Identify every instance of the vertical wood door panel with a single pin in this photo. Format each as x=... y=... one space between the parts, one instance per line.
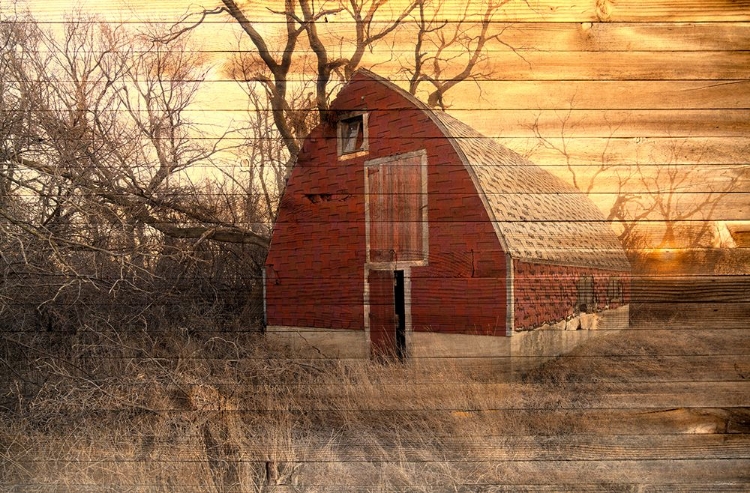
x=395 y=204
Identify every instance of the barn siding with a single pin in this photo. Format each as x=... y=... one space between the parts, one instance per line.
x=462 y=289
x=545 y=293
x=316 y=261
x=315 y=266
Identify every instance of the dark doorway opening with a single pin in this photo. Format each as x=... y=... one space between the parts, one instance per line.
x=387 y=299
x=400 y=305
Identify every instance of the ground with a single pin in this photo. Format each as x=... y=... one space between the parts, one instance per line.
x=664 y=406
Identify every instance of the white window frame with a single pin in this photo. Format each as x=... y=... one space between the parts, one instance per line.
x=342 y=138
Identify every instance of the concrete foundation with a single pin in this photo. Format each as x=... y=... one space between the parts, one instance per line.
x=311 y=342
x=503 y=356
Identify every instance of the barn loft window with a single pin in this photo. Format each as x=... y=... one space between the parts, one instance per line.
x=352 y=135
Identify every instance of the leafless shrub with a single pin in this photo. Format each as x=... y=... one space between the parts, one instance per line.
x=103 y=214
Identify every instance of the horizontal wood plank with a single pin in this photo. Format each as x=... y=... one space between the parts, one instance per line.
x=617 y=66
x=146 y=487
x=555 y=95
x=492 y=396
x=613 y=95
x=614 y=151
x=628 y=36
x=573 y=123
x=515 y=11
x=343 y=476
x=500 y=423
x=555 y=36
x=218 y=37
x=454 y=449
x=570 y=122
x=573 y=472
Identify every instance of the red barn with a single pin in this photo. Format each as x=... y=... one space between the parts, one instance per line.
x=403 y=230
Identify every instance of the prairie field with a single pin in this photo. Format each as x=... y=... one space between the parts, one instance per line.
x=664 y=406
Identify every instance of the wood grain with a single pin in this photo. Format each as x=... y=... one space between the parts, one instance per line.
x=662 y=407
x=605 y=123
x=617 y=66
x=633 y=123
x=547 y=11
x=529 y=37
x=558 y=95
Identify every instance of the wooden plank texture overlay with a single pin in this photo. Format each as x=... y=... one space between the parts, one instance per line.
x=145 y=151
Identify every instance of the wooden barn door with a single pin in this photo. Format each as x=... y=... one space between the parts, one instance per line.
x=395 y=204
x=387 y=314
x=397 y=241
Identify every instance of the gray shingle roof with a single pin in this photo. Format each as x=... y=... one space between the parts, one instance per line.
x=537 y=216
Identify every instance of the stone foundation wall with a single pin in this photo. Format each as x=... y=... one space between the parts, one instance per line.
x=521 y=352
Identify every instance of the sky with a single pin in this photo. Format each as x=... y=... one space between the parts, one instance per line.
x=632 y=91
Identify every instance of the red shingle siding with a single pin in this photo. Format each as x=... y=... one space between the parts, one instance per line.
x=546 y=293
x=315 y=266
x=463 y=288
x=316 y=262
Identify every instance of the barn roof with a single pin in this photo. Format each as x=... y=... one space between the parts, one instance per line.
x=537 y=216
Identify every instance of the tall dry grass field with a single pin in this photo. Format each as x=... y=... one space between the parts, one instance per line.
x=651 y=409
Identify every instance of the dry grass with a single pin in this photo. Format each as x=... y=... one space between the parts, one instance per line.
x=175 y=411
x=149 y=412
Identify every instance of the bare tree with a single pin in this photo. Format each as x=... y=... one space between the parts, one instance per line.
x=266 y=158
x=678 y=193
x=308 y=48
x=657 y=188
x=109 y=120
x=447 y=53
x=101 y=170
x=293 y=73
x=102 y=176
